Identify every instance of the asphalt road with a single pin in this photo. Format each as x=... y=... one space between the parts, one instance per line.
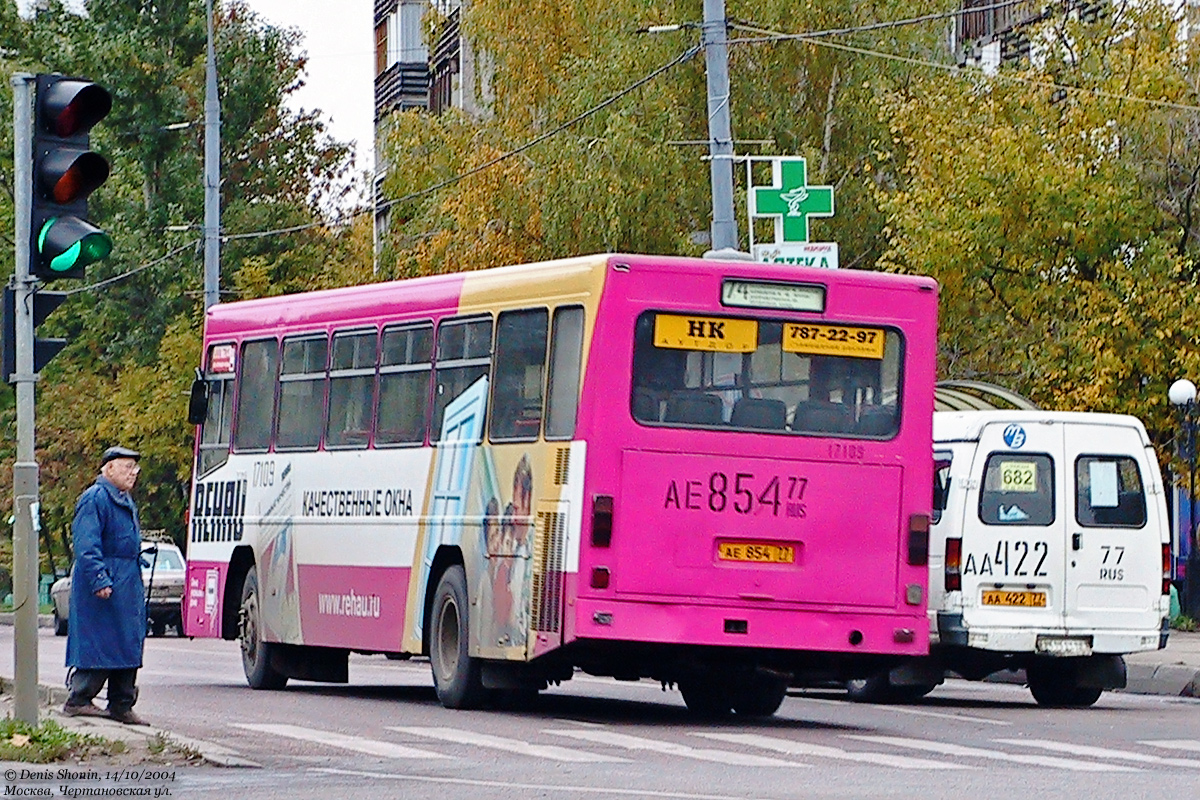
x=385 y=736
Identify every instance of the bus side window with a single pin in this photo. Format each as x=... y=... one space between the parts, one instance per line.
x=256 y=395
x=405 y=367
x=566 y=354
x=302 y=393
x=351 y=389
x=464 y=355
x=215 y=432
x=518 y=376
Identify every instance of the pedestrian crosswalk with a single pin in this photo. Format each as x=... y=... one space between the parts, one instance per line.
x=569 y=742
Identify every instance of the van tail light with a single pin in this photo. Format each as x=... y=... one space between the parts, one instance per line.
x=918 y=539
x=1166 y=567
x=602 y=516
x=953 y=571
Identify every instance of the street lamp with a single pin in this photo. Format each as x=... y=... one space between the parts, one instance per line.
x=1182 y=395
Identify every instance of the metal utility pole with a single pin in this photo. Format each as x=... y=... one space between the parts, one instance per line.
x=212 y=173
x=720 y=136
x=25 y=469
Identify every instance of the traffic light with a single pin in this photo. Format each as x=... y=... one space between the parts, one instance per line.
x=65 y=171
x=43 y=349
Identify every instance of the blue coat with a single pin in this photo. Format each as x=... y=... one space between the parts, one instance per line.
x=106 y=634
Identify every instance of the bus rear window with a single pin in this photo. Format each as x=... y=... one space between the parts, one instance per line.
x=697 y=371
x=1018 y=489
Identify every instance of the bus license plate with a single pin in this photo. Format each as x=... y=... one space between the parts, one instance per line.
x=995 y=597
x=756 y=552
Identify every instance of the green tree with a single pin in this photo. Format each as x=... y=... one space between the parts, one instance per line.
x=621 y=179
x=134 y=342
x=1053 y=207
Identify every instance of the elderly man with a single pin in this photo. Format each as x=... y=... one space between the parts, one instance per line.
x=107 y=624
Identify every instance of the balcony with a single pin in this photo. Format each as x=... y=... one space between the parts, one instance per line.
x=401 y=87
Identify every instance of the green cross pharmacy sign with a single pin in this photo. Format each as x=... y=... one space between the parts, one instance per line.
x=792 y=203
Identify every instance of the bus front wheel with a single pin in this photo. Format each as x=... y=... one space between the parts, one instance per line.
x=457 y=677
x=256 y=653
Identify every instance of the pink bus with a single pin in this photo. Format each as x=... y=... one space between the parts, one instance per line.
x=712 y=474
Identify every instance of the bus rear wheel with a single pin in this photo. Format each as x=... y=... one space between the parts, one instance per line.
x=457 y=677
x=706 y=694
x=256 y=653
x=760 y=695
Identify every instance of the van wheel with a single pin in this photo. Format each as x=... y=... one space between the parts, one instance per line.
x=256 y=653
x=875 y=689
x=60 y=624
x=706 y=694
x=910 y=694
x=878 y=689
x=457 y=676
x=1054 y=685
x=759 y=696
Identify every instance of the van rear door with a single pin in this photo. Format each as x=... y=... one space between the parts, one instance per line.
x=1013 y=540
x=1114 y=556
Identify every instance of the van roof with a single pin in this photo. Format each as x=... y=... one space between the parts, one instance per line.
x=966 y=426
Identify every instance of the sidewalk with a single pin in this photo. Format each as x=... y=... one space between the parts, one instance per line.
x=143 y=742
x=1174 y=671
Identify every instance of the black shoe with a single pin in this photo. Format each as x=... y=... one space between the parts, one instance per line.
x=127 y=717
x=88 y=710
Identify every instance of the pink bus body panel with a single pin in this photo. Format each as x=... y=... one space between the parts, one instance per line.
x=850 y=529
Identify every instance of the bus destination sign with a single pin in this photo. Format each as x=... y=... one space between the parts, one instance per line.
x=719 y=334
x=786 y=296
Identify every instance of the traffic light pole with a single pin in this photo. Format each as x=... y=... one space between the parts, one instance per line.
x=25 y=469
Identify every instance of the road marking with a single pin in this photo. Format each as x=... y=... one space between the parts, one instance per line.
x=358 y=744
x=674 y=749
x=1174 y=744
x=821 y=751
x=552 y=790
x=1101 y=752
x=959 y=751
x=913 y=711
x=509 y=745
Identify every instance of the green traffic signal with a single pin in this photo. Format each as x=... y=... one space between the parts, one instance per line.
x=69 y=243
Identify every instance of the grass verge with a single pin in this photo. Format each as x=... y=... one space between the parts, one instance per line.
x=49 y=741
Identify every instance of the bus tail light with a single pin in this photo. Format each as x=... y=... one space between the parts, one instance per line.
x=918 y=539
x=600 y=577
x=1166 y=568
x=602 y=514
x=953 y=571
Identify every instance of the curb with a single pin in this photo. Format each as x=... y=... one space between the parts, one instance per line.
x=44 y=620
x=1168 y=680
x=48 y=695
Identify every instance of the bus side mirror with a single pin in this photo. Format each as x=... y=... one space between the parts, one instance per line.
x=198 y=401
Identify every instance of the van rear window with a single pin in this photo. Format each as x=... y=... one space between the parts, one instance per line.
x=1108 y=492
x=1018 y=489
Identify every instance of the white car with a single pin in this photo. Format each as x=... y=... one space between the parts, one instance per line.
x=166 y=595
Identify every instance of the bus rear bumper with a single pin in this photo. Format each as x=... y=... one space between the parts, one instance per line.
x=883 y=632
